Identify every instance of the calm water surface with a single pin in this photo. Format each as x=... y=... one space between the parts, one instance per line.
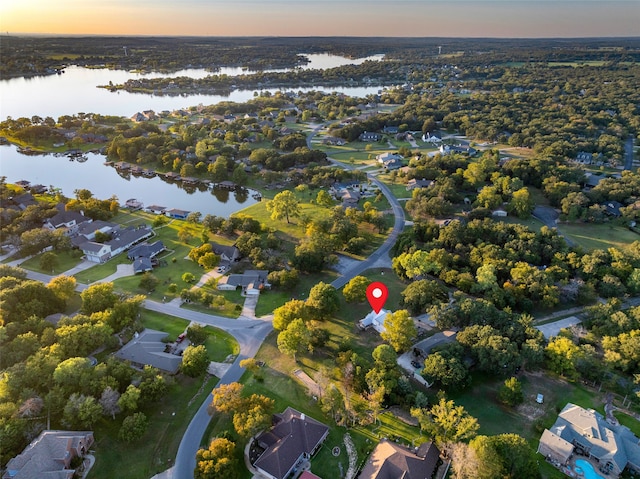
x=104 y=181
x=75 y=91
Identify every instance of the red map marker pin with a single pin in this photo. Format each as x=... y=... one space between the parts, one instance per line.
x=377 y=295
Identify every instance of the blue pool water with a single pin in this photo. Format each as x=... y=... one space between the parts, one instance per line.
x=587 y=469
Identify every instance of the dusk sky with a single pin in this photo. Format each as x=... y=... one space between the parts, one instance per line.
x=413 y=18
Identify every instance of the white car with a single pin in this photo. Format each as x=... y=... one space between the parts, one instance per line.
x=222 y=269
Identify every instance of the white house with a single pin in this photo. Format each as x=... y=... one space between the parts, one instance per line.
x=375 y=320
x=431 y=139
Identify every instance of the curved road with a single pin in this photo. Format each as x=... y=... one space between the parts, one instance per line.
x=398 y=225
x=250 y=333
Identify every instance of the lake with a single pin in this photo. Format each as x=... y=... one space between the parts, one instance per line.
x=75 y=91
x=104 y=181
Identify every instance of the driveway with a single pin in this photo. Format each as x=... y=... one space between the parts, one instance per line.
x=552 y=329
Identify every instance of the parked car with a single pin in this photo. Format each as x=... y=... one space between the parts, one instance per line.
x=222 y=269
x=181 y=338
x=416 y=364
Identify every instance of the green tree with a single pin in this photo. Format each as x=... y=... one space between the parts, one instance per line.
x=323 y=300
x=48 y=261
x=522 y=203
x=98 y=297
x=148 y=281
x=507 y=456
x=418 y=295
x=323 y=198
x=294 y=339
x=255 y=415
x=188 y=277
x=239 y=176
x=446 y=423
x=399 y=330
x=511 y=392
x=64 y=287
x=81 y=411
x=197 y=334
x=195 y=361
x=218 y=461
x=133 y=427
x=285 y=314
x=209 y=260
x=355 y=291
x=227 y=398
x=129 y=399
x=562 y=354
x=284 y=205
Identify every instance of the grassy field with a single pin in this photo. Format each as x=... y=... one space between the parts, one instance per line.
x=626 y=420
x=65 y=261
x=155 y=451
x=599 y=236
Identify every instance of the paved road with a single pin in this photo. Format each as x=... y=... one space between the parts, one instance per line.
x=398 y=226
x=628 y=153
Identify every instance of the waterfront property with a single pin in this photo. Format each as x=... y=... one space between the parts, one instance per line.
x=121 y=240
x=293 y=439
x=585 y=434
x=50 y=455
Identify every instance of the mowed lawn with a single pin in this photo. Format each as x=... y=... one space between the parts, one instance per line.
x=219 y=343
x=599 y=236
x=64 y=262
x=156 y=450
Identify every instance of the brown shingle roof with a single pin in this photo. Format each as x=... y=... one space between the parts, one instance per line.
x=293 y=435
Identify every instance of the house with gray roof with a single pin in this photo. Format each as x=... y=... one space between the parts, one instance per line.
x=226 y=253
x=252 y=282
x=67 y=220
x=142 y=265
x=49 y=455
x=584 y=432
x=147 y=348
x=293 y=438
x=391 y=461
x=146 y=250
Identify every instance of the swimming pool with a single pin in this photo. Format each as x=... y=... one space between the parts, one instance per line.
x=587 y=469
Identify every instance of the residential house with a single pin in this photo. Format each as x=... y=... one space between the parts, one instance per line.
x=95 y=252
x=251 y=281
x=226 y=253
x=294 y=438
x=122 y=239
x=414 y=183
x=460 y=149
x=374 y=320
x=499 y=213
x=142 y=265
x=138 y=118
x=585 y=432
x=350 y=197
x=156 y=209
x=391 y=130
x=334 y=140
x=392 y=461
x=24 y=201
x=393 y=164
x=592 y=180
x=384 y=157
x=177 y=214
x=67 y=220
x=428 y=138
x=50 y=455
x=612 y=208
x=87 y=231
x=584 y=158
x=369 y=136
x=146 y=250
x=133 y=203
x=147 y=349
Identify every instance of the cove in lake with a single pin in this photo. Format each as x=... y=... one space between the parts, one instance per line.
x=104 y=181
x=76 y=91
